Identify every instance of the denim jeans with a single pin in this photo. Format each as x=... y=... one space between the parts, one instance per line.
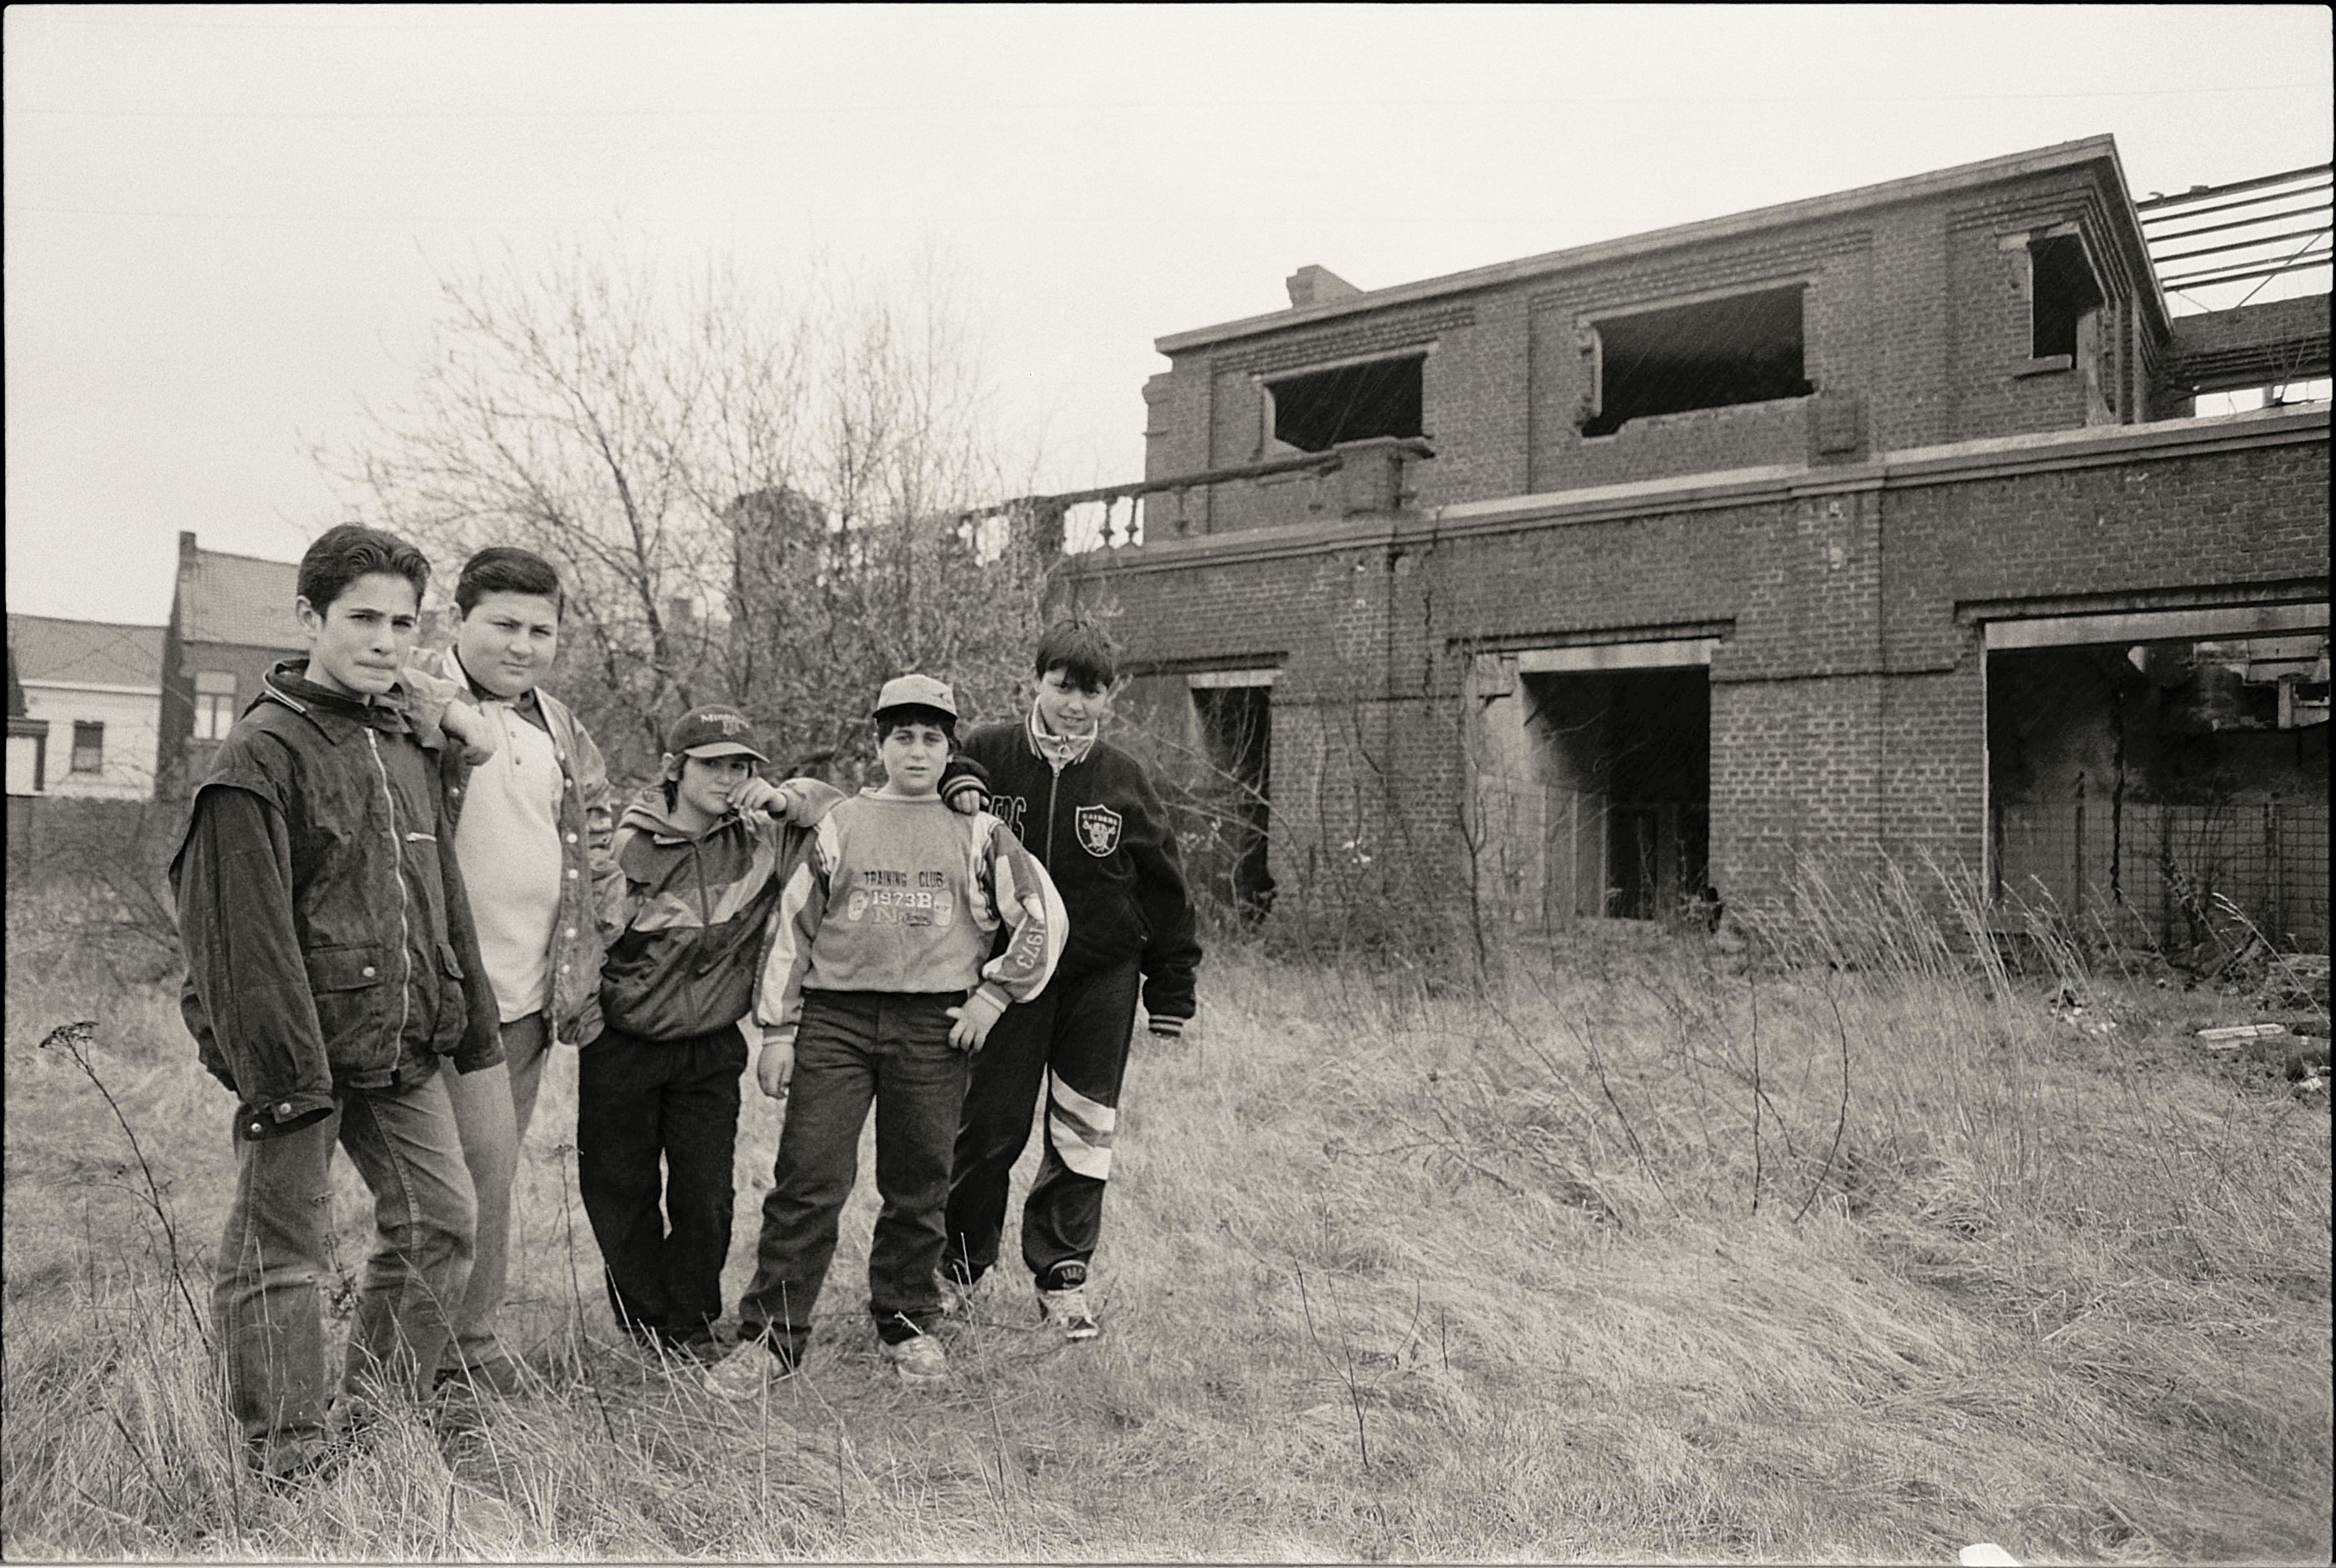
x=493 y=1108
x=854 y=1046
x=1072 y=1038
x=277 y=1250
x=643 y=1103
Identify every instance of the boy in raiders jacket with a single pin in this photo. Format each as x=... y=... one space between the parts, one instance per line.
x=1089 y=814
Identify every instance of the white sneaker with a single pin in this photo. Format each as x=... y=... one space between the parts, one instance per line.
x=746 y=1372
x=1066 y=1311
x=919 y=1359
x=956 y=1296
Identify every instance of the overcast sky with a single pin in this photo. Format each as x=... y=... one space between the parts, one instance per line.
x=222 y=222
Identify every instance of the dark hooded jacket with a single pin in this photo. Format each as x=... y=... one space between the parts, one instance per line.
x=327 y=936
x=684 y=936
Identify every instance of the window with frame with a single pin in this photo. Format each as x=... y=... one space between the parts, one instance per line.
x=214 y=704
x=89 y=747
x=1744 y=348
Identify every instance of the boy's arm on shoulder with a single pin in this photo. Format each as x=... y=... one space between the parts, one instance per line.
x=1171 y=959
x=785 y=952
x=1026 y=899
x=232 y=878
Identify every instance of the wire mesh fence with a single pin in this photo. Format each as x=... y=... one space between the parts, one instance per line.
x=2152 y=872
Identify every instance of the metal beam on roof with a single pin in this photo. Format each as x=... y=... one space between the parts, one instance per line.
x=2203 y=192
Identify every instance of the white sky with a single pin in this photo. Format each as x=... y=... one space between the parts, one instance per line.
x=222 y=222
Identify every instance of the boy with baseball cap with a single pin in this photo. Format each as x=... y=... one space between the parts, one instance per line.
x=878 y=985
x=702 y=854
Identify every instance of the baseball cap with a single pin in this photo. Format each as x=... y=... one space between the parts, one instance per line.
x=716 y=730
x=917 y=691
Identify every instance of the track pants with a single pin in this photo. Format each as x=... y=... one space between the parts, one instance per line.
x=1071 y=1040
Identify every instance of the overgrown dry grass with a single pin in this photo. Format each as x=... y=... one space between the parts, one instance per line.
x=1393 y=1269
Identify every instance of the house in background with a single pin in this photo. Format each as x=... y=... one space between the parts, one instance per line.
x=28 y=741
x=230 y=620
x=98 y=689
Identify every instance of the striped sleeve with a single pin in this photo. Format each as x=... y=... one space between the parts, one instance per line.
x=1024 y=896
x=795 y=925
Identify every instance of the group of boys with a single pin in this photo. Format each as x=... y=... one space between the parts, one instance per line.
x=404 y=880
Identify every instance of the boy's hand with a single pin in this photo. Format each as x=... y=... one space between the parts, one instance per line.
x=774 y=1068
x=965 y=786
x=479 y=736
x=974 y=1018
x=760 y=795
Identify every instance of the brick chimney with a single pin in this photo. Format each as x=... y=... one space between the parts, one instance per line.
x=1312 y=285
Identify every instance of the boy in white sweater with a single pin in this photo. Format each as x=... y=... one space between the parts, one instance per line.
x=877 y=986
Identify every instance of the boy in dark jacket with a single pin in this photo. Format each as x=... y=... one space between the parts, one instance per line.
x=1090 y=814
x=331 y=964
x=703 y=855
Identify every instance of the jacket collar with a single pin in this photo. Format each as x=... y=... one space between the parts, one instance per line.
x=1059 y=751
x=288 y=684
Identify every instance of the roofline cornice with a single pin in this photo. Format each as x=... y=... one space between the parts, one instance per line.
x=2001 y=457
x=1914 y=187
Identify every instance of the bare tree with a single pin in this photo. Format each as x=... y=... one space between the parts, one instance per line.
x=775 y=501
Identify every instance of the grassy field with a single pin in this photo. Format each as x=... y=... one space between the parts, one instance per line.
x=1631 y=1253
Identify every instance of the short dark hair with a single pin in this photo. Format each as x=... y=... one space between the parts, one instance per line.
x=351 y=550
x=1083 y=650
x=506 y=569
x=890 y=719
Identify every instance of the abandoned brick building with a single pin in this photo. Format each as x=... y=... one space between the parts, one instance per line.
x=1884 y=524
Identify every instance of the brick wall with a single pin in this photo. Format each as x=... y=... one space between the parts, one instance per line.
x=1848 y=694
x=1917 y=310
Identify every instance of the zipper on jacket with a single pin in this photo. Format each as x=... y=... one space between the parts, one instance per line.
x=1053 y=787
x=397 y=862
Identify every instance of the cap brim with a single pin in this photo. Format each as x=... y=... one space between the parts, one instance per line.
x=724 y=748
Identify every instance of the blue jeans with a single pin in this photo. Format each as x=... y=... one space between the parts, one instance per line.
x=852 y=1047
x=277 y=1250
x=493 y=1108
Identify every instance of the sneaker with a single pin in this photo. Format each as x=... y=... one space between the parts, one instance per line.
x=1066 y=1311
x=919 y=1359
x=746 y=1372
x=499 y=1375
x=956 y=1294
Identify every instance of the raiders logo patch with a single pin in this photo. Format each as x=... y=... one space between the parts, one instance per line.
x=1098 y=828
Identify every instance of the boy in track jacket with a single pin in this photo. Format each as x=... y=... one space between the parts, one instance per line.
x=1090 y=814
x=331 y=964
x=703 y=855
x=878 y=985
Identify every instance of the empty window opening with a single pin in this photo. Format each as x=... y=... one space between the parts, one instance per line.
x=1315 y=412
x=1744 y=349
x=1237 y=726
x=1625 y=764
x=2064 y=293
x=89 y=747
x=2148 y=789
